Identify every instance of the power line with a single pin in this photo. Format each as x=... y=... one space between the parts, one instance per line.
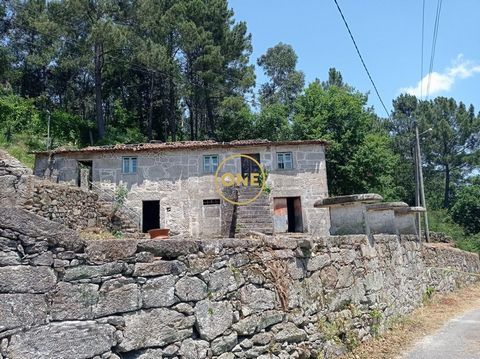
x=434 y=43
x=423 y=36
x=361 y=58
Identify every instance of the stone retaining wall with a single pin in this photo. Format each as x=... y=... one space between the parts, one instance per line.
x=302 y=297
x=75 y=207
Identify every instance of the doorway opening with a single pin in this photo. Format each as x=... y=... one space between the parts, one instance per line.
x=288 y=214
x=150 y=215
x=84 y=179
x=249 y=166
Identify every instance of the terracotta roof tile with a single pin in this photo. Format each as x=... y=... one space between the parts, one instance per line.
x=167 y=146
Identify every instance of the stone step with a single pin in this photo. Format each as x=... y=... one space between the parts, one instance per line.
x=266 y=230
x=254 y=221
x=254 y=202
x=253 y=209
x=250 y=213
x=249 y=196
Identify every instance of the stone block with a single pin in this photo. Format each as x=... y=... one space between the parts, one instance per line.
x=257 y=322
x=107 y=250
x=255 y=300
x=172 y=248
x=290 y=333
x=159 y=292
x=118 y=296
x=43 y=259
x=90 y=271
x=9 y=258
x=79 y=340
x=317 y=262
x=25 y=279
x=155 y=328
x=158 y=267
x=194 y=349
x=224 y=344
x=191 y=289
x=22 y=310
x=73 y=301
x=213 y=318
x=224 y=281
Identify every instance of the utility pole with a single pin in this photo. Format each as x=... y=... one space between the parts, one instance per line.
x=420 y=178
x=48 y=129
x=46 y=98
x=417 y=190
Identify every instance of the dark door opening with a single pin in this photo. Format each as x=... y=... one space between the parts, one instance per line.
x=291 y=214
x=249 y=166
x=84 y=179
x=150 y=215
x=287 y=214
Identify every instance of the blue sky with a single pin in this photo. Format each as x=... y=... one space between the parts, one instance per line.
x=388 y=34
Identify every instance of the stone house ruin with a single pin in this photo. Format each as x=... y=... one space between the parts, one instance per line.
x=173 y=185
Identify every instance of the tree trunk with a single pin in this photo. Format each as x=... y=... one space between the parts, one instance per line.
x=446 y=200
x=192 y=119
x=211 y=120
x=172 y=117
x=150 y=111
x=98 y=91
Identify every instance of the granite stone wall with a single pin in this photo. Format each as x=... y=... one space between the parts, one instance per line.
x=75 y=207
x=263 y=297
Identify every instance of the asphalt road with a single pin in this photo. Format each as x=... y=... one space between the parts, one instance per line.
x=459 y=338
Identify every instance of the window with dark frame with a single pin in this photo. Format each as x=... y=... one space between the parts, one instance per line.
x=210 y=163
x=209 y=202
x=129 y=165
x=284 y=160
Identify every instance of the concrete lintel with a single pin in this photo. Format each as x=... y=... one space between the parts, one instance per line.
x=350 y=199
x=408 y=210
x=384 y=206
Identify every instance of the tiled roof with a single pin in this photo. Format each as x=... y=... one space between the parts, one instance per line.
x=183 y=145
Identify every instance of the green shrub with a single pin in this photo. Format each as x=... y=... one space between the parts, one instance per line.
x=466 y=210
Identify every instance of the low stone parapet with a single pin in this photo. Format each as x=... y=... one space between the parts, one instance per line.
x=347 y=213
x=367 y=214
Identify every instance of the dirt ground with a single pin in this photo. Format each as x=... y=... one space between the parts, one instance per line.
x=425 y=320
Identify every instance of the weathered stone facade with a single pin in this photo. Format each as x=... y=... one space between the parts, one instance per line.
x=175 y=177
x=265 y=297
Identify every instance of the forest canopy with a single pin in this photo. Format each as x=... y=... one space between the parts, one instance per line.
x=108 y=71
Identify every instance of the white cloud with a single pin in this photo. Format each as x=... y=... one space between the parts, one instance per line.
x=443 y=82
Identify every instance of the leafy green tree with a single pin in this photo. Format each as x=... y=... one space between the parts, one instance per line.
x=235 y=119
x=454 y=141
x=279 y=64
x=400 y=127
x=272 y=123
x=466 y=210
x=17 y=115
x=359 y=158
x=450 y=149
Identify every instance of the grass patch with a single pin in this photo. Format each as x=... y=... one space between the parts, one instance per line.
x=19 y=150
x=403 y=332
x=441 y=222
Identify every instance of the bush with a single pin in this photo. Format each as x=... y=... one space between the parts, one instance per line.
x=466 y=210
